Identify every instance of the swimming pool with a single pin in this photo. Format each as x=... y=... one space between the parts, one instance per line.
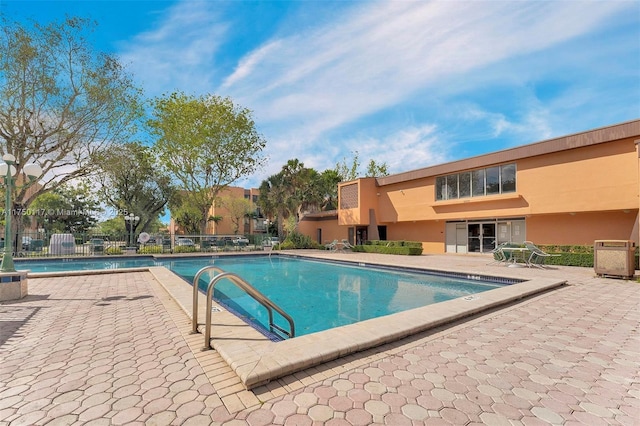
x=318 y=295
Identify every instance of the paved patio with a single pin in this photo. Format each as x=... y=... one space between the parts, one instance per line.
x=116 y=349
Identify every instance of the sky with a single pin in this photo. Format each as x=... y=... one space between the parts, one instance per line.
x=405 y=83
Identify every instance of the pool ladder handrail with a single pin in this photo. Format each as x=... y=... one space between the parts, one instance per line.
x=251 y=291
x=248 y=288
x=194 y=313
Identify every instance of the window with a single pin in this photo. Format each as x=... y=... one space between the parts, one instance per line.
x=441 y=188
x=508 y=178
x=477 y=183
x=464 y=185
x=452 y=187
x=493 y=180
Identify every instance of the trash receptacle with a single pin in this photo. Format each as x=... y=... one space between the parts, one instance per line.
x=614 y=258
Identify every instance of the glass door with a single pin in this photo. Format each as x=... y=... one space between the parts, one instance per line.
x=488 y=237
x=473 y=241
x=481 y=237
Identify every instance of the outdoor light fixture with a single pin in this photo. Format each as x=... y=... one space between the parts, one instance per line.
x=7 y=174
x=131 y=220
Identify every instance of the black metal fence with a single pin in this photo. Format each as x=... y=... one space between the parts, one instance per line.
x=40 y=244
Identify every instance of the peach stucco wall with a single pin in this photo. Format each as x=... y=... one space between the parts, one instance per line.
x=367 y=199
x=602 y=177
x=431 y=234
x=573 y=196
x=582 y=228
x=330 y=229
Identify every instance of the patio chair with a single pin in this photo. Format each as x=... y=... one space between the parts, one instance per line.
x=537 y=257
x=333 y=245
x=346 y=244
x=499 y=256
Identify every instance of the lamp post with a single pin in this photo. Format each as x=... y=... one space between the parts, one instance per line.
x=131 y=220
x=7 y=172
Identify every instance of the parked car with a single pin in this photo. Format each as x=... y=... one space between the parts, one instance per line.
x=184 y=242
x=271 y=241
x=240 y=241
x=26 y=241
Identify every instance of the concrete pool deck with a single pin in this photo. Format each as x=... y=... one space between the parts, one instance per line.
x=115 y=349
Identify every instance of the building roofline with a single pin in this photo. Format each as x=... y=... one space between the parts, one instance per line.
x=577 y=140
x=321 y=215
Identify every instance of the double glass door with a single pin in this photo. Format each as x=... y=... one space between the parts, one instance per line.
x=481 y=237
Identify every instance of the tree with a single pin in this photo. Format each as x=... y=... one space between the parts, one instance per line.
x=376 y=170
x=131 y=182
x=67 y=209
x=330 y=180
x=352 y=172
x=346 y=172
x=188 y=217
x=297 y=189
x=206 y=143
x=61 y=102
x=238 y=209
x=273 y=199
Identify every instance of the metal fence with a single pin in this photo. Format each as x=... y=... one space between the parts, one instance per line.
x=70 y=245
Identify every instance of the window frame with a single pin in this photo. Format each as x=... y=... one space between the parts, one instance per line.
x=478 y=177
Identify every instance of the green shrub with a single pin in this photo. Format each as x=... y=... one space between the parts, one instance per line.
x=576 y=255
x=184 y=249
x=407 y=248
x=285 y=245
x=150 y=250
x=113 y=250
x=296 y=240
x=570 y=259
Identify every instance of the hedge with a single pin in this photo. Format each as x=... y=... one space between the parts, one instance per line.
x=184 y=249
x=407 y=248
x=574 y=255
x=150 y=250
x=113 y=250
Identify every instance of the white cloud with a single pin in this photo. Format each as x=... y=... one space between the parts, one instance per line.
x=381 y=52
x=312 y=88
x=178 y=54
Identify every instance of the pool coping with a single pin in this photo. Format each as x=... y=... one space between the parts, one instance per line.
x=257 y=360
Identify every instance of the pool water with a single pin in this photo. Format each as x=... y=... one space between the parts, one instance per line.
x=317 y=295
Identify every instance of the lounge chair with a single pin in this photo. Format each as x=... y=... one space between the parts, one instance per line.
x=333 y=245
x=346 y=244
x=499 y=256
x=537 y=257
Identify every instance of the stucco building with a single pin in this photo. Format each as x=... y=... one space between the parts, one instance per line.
x=569 y=190
x=231 y=214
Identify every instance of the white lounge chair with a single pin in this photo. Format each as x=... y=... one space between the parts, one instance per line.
x=499 y=255
x=537 y=256
x=333 y=245
x=346 y=244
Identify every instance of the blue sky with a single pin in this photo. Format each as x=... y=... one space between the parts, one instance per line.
x=409 y=83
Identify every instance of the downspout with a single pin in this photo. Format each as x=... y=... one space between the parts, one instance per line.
x=636 y=228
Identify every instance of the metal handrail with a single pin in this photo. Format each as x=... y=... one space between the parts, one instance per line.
x=251 y=291
x=194 y=316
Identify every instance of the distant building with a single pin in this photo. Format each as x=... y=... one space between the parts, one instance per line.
x=570 y=190
x=252 y=223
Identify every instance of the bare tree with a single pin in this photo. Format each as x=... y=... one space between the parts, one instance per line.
x=61 y=102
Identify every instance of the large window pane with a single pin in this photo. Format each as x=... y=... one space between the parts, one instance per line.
x=493 y=180
x=441 y=188
x=477 y=183
x=464 y=185
x=508 y=178
x=452 y=187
